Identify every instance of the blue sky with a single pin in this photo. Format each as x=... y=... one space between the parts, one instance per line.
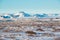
x=31 y=6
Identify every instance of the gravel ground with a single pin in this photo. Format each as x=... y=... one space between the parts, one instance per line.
x=18 y=31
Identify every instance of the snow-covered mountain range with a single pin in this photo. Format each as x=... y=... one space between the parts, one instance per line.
x=27 y=15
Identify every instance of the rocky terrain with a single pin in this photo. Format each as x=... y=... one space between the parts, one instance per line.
x=28 y=29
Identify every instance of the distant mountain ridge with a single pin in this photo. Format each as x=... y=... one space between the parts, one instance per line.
x=24 y=14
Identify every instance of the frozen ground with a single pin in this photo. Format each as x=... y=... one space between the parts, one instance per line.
x=22 y=35
x=11 y=31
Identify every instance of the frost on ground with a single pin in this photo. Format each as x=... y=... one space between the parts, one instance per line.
x=30 y=30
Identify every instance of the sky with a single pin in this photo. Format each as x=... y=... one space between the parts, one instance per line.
x=30 y=6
